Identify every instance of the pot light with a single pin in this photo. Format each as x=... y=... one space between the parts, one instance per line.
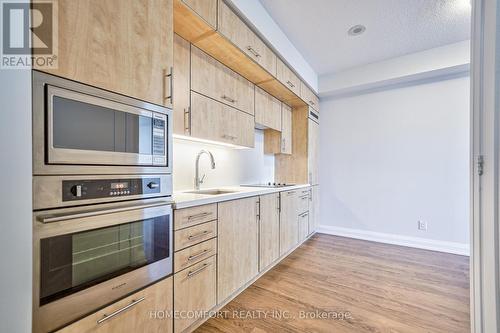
x=356 y=30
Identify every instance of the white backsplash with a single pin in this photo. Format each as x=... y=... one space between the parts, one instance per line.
x=233 y=166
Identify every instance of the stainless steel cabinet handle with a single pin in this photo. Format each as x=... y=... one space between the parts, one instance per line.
x=230 y=137
x=252 y=50
x=229 y=99
x=201 y=234
x=78 y=215
x=304 y=214
x=305 y=197
x=117 y=312
x=196 y=271
x=200 y=254
x=311 y=102
x=199 y=216
x=187 y=120
x=169 y=75
x=290 y=84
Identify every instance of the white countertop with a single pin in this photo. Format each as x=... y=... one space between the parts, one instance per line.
x=184 y=199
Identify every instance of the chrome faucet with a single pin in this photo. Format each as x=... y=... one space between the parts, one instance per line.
x=197 y=180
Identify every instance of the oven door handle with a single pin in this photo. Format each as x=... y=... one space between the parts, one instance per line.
x=78 y=215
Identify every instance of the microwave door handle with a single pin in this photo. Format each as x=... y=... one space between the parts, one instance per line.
x=78 y=215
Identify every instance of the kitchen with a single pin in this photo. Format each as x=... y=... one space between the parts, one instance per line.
x=173 y=154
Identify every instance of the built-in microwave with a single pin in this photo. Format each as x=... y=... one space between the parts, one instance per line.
x=79 y=129
x=90 y=256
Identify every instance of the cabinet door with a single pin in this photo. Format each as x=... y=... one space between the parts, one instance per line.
x=125 y=46
x=286 y=129
x=308 y=96
x=182 y=50
x=238 y=245
x=234 y=29
x=269 y=229
x=314 y=212
x=211 y=78
x=267 y=110
x=289 y=233
x=285 y=75
x=136 y=315
x=195 y=290
x=206 y=9
x=215 y=121
x=303 y=226
x=313 y=152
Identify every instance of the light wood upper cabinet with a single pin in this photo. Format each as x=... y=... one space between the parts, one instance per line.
x=215 y=121
x=308 y=96
x=286 y=76
x=182 y=51
x=234 y=29
x=195 y=290
x=269 y=229
x=205 y=9
x=314 y=209
x=238 y=245
x=286 y=129
x=125 y=46
x=313 y=152
x=267 y=110
x=289 y=226
x=211 y=78
x=136 y=318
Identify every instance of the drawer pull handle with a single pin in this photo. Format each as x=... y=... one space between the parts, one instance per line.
x=117 y=312
x=229 y=99
x=200 y=254
x=230 y=137
x=305 y=197
x=255 y=53
x=311 y=102
x=290 y=84
x=201 y=234
x=199 y=216
x=198 y=270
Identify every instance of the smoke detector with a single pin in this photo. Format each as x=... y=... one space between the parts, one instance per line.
x=356 y=30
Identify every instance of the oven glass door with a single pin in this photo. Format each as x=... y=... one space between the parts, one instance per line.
x=84 y=129
x=75 y=261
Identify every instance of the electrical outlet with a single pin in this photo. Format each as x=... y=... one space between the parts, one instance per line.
x=422 y=225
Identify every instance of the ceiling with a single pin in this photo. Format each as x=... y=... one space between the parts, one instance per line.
x=318 y=28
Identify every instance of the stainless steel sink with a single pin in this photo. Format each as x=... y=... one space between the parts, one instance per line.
x=212 y=192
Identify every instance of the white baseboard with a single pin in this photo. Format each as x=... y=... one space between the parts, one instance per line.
x=417 y=242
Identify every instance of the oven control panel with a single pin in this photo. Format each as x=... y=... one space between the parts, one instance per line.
x=108 y=188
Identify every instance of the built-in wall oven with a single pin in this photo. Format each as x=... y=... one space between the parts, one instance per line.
x=102 y=188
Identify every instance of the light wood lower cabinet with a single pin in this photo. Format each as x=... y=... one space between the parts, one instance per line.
x=187 y=217
x=194 y=235
x=314 y=209
x=194 y=254
x=125 y=46
x=143 y=306
x=267 y=110
x=238 y=245
x=215 y=121
x=195 y=292
x=303 y=220
x=289 y=233
x=269 y=229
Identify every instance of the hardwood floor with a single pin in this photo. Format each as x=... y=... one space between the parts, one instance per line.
x=378 y=288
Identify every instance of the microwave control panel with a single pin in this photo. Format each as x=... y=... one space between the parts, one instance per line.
x=108 y=188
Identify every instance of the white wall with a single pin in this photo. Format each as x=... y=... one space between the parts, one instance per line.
x=391 y=158
x=233 y=166
x=15 y=200
x=263 y=22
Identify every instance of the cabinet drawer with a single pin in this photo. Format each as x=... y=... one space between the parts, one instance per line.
x=195 y=290
x=194 y=235
x=188 y=217
x=215 y=121
x=194 y=254
x=267 y=110
x=303 y=202
x=308 y=96
x=226 y=86
x=287 y=77
x=134 y=315
x=234 y=29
